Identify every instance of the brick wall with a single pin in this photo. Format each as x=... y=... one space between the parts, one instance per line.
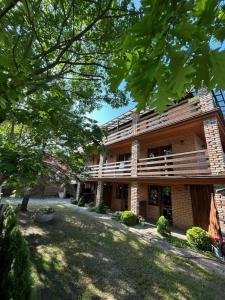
x=99 y=193
x=220 y=204
x=206 y=100
x=135 y=154
x=135 y=197
x=153 y=212
x=214 y=146
x=182 y=206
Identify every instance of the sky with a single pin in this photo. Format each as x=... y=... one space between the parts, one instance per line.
x=107 y=113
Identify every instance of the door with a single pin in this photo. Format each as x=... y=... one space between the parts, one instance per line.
x=201 y=204
x=122 y=193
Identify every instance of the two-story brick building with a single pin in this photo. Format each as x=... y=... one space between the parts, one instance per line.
x=170 y=164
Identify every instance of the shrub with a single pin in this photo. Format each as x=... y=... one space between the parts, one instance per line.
x=199 y=238
x=101 y=208
x=129 y=218
x=81 y=201
x=163 y=226
x=16 y=282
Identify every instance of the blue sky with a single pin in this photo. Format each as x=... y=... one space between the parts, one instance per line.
x=107 y=113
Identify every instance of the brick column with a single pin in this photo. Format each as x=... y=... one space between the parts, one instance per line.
x=214 y=146
x=101 y=160
x=99 y=195
x=135 y=119
x=217 y=166
x=206 y=100
x=220 y=205
x=135 y=154
x=78 y=190
x=135 y=197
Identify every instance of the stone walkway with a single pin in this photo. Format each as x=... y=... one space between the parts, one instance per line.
x=147 y=233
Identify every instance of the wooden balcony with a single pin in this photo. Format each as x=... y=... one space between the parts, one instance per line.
x=117 y=169
x=155 y=121
x=188 y=163
x=193 y=163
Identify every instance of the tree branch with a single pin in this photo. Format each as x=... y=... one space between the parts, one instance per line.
x=7 y=8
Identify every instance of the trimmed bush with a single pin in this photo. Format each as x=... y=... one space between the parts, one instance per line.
x=199 y=238
x=101 y=208
x=129 y=218
x=163 y=226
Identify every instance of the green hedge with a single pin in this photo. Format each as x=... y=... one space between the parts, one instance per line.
x=129 y=218
x=16 y=267
x=199 y=238
x=163 y=226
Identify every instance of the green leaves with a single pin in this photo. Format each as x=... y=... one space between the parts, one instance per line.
x=218 y=58
x=173 y=40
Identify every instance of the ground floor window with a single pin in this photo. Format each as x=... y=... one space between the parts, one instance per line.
x=161 y=196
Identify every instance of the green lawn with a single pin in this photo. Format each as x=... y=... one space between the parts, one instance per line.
x=77 y=257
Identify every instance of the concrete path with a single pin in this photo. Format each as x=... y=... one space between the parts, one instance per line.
x=147 y=233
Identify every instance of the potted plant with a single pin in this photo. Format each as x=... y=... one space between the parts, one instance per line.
x=141 y=221
x=45 y=214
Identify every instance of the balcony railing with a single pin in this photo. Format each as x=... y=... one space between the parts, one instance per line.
x=93 y=170
x=173 y=115
x=189 y=163
x=119 y=135
x=181 y=164
x=117 y=169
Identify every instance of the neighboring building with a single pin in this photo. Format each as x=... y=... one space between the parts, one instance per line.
x=171 y=164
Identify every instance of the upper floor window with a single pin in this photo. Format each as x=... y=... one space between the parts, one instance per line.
x=124 y=157
x=160 y=151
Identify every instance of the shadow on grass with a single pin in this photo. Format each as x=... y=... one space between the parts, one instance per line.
x=77 y=257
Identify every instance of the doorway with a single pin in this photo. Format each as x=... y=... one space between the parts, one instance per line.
x=201 y=196
x=122 y=194
x=161 y=196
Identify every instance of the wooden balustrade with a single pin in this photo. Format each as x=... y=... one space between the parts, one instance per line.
x=93 y=170
x=119 y=135
x=172 y=116
x=120 y=169
x=181 y=164
x=155 y=121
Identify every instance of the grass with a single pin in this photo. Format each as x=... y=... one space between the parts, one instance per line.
x=77 y=257
x=181 y=243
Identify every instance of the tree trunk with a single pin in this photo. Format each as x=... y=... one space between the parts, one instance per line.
x=25 y=202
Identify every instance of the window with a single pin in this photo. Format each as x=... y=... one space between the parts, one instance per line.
x=153 y=195
x=124 y=157
x=165 y=150
x=166 y=195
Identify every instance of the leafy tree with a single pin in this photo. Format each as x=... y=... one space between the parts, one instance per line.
x=47 y=43
x=53 y=65
x=172 y=47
